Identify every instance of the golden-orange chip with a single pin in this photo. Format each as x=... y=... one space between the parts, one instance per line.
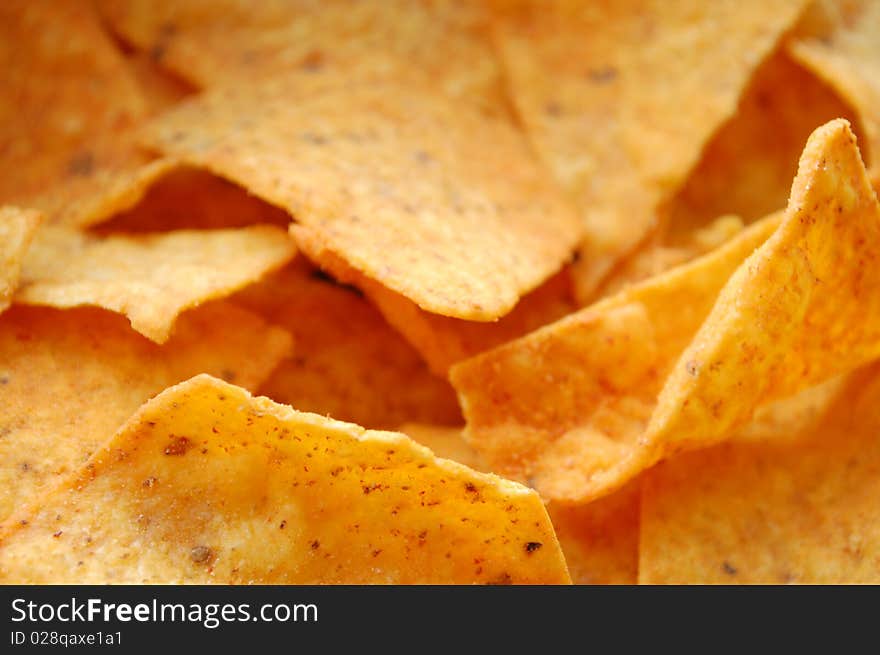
x=150 y=278
x=17 y=227
x=314 y=501
x=395 y=180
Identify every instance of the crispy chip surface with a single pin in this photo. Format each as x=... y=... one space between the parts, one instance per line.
x=621 y=115
x=17 y=227
x=795 y=505
x=70 y=378
x=149 y=278
x=799 y=310
x=314 y=501
x=393 y=179
x=348 y=362
x=567 y=400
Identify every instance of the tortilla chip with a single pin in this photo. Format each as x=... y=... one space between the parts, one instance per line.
x=191 y=198
x=441 y=340
x=798 y=506
x=227 y=42
x=798 y=311
x=600 y=540
x=838 y=41
x=314 y=501
x=574 y=392
x=622 y=114
x=149 y=278
x=395 y=180
x=68 y=102
x=70 y=378
x=348 y=364
x=17 y=227
x=748 y=166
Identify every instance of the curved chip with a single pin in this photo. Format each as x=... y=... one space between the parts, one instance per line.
x=620 y=98
x=69 y=379
x=150 y=278
x=313 y=501
x=558 y=404
x=394 y=179
x=17 y=228
x=799 y=310
x=797 y=505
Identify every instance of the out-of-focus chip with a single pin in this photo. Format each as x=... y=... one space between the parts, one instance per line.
x=798 y=505
x=68 y=102
x=227 y=42
x=748 y=166
x=314 y=501
x=442 y=340
x=149 y=278
x=837 y=39
x=797 y=311
x=17 y=227
x=70 y=378
x=191 y=198
x=600 y=540
x=574 y=395
x=348 y=362
x=620 y=98
x=394 y=179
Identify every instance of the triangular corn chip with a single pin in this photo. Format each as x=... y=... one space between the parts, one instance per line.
x=149 y=278
x=348 y=363
x=620 y=98
x=838 y=40
x=68 y=380
x=571 y=395
x=208 y=484
x=798 y=311
x=17 y=228
x=396 y=180
x=797 y=504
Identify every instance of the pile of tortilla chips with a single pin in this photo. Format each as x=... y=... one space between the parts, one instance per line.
x=495 y=292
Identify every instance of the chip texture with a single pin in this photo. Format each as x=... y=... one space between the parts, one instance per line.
x=394 y=179
x=314 y=501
